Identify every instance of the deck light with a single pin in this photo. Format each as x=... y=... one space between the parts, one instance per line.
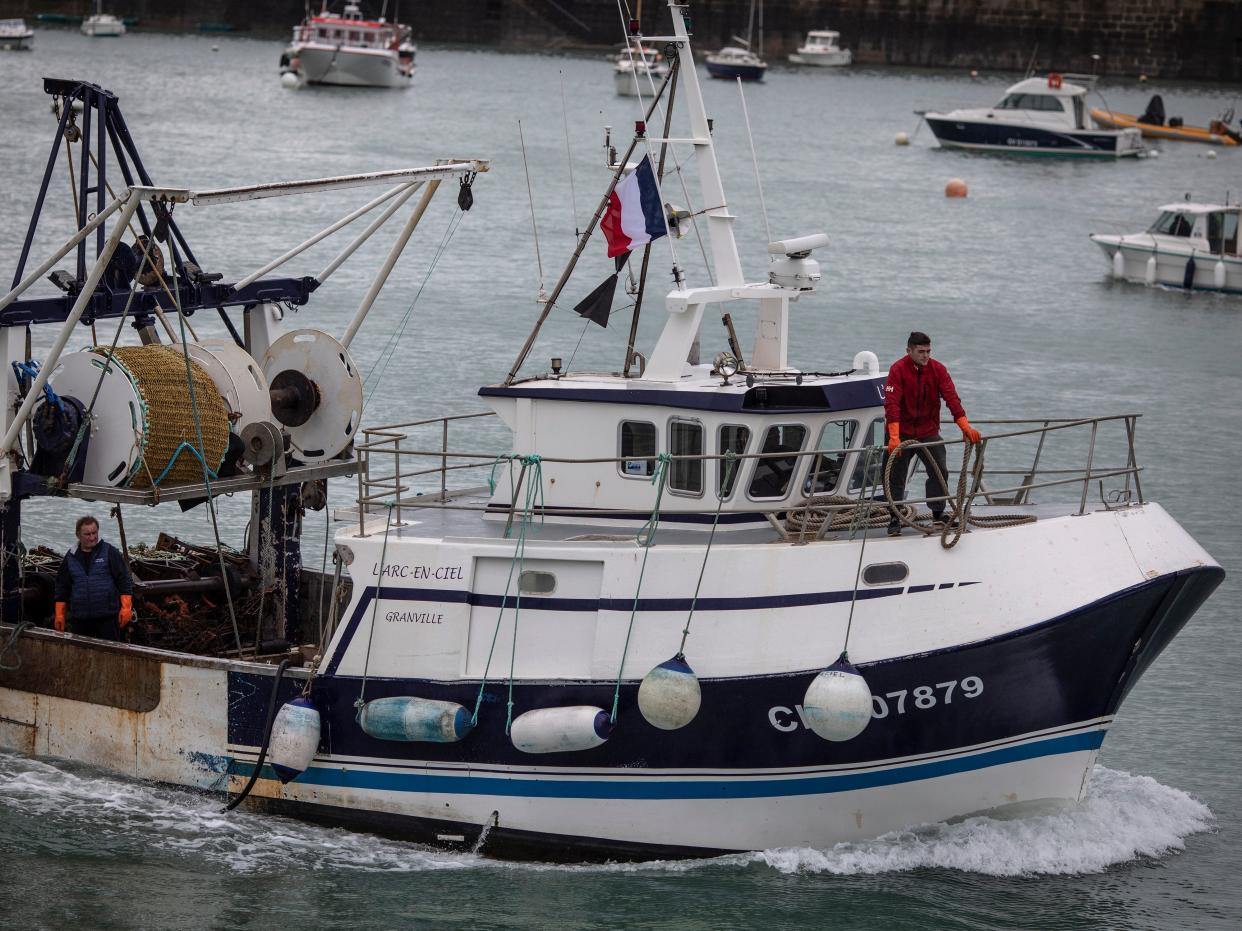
x=556 y=365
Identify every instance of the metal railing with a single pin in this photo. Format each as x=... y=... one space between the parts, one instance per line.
x=386 y=479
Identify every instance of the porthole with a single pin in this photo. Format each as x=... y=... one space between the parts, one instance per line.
x=533 y=582
x=885 y=573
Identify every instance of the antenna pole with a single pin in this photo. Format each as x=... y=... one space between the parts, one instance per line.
x=586 y=235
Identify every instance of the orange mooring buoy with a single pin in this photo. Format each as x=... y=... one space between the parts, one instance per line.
x=955 y=188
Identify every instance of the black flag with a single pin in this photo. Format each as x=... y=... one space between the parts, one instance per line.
x=597 y=305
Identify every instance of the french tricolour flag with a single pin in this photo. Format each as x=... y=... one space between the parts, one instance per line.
x=634 y=216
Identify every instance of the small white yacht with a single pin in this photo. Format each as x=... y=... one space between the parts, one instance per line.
x=15 y=35
x=1191 y=246
x=822 y=49
x=1037 y=116
x=102 y=25
x=349 y=50
x=638 y=70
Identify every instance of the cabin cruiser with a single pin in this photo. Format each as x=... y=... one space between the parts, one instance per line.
x=736 y=61
x=638 y=70
x=822 y=49
x=1037 y=116
x=1191 y=246
x=15 y=35
x=349 y=50
x=663 y=621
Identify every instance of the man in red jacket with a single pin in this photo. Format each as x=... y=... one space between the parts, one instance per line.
x=912 y=394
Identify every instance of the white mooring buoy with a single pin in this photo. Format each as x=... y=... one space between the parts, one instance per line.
x=417 y=719
x=294 y=739
x=837 y=705
x=669 y=696
x=560 y=730
x=290 y=80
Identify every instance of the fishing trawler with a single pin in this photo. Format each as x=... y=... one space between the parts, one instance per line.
x=349 y=50
x=660 y=623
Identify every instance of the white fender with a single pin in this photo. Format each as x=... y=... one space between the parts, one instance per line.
x=1119 y=265
x=1218 y=275
x=1149 y=274
x=669 y=696
x=560 y=730
x=420 y=719
x=295 y=738
x=837 y=705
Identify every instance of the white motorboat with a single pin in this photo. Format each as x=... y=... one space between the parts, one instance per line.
x=1191 y=246
x=638 y=70
x=664 y=626
x=1037 y=116
x=101 y=25
x=15 y=35
x=822 y=49
x=349 y=50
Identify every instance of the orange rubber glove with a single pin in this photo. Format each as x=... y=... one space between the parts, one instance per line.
x=969 y=433
x=894 y=438
x=127 y=611
x=61 y=610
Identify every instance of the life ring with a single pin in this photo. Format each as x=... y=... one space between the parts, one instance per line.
x=1054 y=81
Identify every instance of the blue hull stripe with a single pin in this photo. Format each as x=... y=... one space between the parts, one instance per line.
x=683 y=789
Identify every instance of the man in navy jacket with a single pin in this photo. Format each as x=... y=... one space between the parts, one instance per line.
x=912 y=394
x=94 y=590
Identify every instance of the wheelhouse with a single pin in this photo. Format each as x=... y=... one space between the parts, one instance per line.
x=1209 y=227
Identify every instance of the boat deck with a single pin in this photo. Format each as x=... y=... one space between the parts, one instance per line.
x=461 y=519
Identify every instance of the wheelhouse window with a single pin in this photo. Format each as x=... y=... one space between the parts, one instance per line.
x=869 y=474
x=1172 y=223
x=734 y=438
x=1222 y=230
x=1045 y=102
x=835 y=440
x=771 y=476
x=638 y=439
x=685 y=438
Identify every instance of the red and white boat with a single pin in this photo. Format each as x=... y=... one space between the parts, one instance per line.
x=349 y=50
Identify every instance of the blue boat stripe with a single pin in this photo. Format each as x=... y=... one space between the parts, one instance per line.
x=684 y=789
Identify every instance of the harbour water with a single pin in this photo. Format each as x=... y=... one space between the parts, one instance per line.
x=1019 y=306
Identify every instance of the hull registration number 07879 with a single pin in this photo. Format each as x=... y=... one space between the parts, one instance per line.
x=902 y=701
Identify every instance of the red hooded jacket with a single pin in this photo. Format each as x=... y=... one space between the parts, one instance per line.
x=912 y=396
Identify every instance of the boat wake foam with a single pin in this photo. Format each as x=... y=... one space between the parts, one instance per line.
x=1123 y=818
x=63 y=806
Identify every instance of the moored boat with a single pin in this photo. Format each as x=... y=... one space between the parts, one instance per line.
x=638 y=70
x=1218 y=132
x=349 y=50
x=15 y=35
x=822 y=49
x=101 y=25
x=735 y=62
x=1037 y=116
x=1191 y=245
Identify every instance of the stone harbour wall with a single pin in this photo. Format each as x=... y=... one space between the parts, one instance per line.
x=1196 y=39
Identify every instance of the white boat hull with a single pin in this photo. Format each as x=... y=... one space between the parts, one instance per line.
x=1171 y=265
x=101 y=27
x=323 y=64
x=835 y=59
x=973 y=657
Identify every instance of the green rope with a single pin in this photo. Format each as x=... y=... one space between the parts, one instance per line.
x=644 y=538
x=730 y=463
x=207 y=470
x=534 y=493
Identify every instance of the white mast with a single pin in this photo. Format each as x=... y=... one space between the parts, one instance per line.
x=686 y=305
